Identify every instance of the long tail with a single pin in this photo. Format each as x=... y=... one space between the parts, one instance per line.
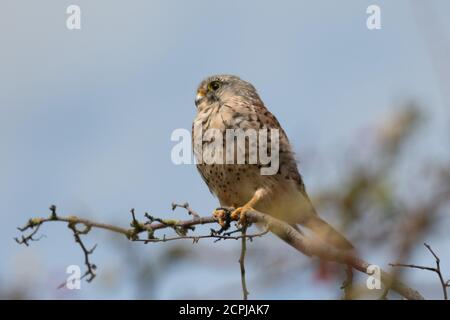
x=327 y=233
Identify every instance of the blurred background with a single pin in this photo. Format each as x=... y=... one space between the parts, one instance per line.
x=86 y=118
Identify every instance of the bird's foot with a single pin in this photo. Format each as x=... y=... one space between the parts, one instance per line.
x=223 y=216
x=239 y=214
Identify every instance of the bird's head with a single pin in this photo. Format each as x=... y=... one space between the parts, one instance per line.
x=220 y=88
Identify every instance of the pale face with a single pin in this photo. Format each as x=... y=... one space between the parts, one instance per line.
x=219 y=88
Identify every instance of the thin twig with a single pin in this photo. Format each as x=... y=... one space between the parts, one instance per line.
x=437 y=269
x=90 y=272
x=195 y=239
x=186 y=206
x=242 y=262
x=30 y=237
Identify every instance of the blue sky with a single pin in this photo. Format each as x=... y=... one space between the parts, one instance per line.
x=86 y=116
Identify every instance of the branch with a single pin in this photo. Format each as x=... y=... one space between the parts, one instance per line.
x=90 y=272
x=437 y=270
x=188 y=209
x=314 y=247
x=307 y=245
x=242 y=262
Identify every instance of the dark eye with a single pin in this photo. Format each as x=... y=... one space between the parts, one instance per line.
x=214 y=85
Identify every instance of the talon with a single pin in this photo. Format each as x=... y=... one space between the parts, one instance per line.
x=236 y=214
x=223 y=217
x=239 y=214
x=218 y=213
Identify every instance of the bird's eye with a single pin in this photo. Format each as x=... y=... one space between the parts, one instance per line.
x=214 y=85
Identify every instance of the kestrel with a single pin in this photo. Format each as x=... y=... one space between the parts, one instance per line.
x=227 y=102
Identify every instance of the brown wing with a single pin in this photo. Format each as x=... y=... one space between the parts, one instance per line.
x=200 y=167
x=288 y=165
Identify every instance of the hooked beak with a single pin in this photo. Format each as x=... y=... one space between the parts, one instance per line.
x=200 y=95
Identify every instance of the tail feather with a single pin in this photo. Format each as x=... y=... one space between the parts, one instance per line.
x=327 y=233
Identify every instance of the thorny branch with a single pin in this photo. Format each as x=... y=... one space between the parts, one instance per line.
x=36 y=223
x=307 y=245
x=188 y=209
x=30 y=237
x=437 y=270
x=90 y=272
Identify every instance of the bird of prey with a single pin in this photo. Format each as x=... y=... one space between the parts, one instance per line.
x=226 y=102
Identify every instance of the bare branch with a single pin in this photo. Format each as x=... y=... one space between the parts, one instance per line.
x=307 y=245
x=313 y=247
x=188 y=209
x=242 y=262
x=195 y=239
x=90 y=272
x=32 y=224
x=437 y=270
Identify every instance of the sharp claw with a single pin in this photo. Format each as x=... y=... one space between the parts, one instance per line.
x=235 y=215
x=239 y=215
x=223 y=217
